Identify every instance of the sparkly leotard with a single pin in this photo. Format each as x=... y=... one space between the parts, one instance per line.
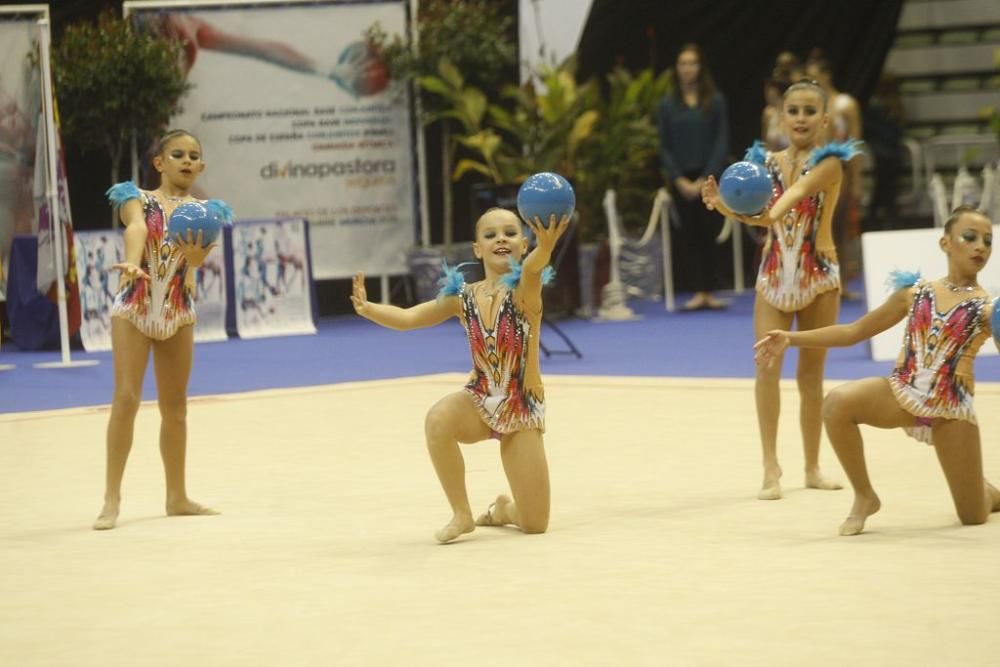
x=933 y=375
x=506 y=384
x=157 y=307
x=793 y=272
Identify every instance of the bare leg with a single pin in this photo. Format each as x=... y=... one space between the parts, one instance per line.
x=820 y=313
x=869 y=401
x=960 y=453
x=527 y=471
x=767 y=395
x=452 y=420
x=172 y=363
x=130 y=351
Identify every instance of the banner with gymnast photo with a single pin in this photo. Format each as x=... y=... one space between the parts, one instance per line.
x=20 y=105
x=96 y=254
x=295 y=112
x=272 y=283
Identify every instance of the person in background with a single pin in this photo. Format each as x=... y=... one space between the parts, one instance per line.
x=694 y=143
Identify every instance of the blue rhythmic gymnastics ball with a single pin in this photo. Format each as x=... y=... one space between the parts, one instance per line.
x=545 y=194
x=195 y=216
x=745 y=188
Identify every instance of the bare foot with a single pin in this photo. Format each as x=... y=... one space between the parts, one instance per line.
x=497 y=514
x=815 y=480
x=455 y=528
x=771 y=488
x=994 y=495
x=108 y=516
x=189 y=508
x=864 y=507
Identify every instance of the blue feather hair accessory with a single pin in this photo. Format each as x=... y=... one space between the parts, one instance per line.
x=119 y=193
x=756 y=153
x=842 y=150
x=220 y=210
x=513 y=278
x=453 y=280
x=995 y=321
x=899 y=279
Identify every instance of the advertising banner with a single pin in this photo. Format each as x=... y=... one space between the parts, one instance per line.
x=20 y=106
x=297 y=119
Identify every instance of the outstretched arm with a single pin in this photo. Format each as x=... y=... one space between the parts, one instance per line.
x=194 y=33
x=875 y=322
x=422 y=315
x=538 y=258
x=135 y=240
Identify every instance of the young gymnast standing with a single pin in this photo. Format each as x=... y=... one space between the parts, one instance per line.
x=799 y=278
x=154 y=311
x=504 y=399
x=929 y=393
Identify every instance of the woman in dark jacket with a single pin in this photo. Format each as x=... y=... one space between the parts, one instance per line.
x=694 y=143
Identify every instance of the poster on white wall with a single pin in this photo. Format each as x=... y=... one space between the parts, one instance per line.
x=910 y=250
x=296 y=116
x=96 y=255
x=271 y=278
x=210 y=295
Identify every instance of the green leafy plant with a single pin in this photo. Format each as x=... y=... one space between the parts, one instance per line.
x=111 y=80
x=542 y=131
x=598 y=139
x=623 y=152
x=475 y=36
x=472 y=34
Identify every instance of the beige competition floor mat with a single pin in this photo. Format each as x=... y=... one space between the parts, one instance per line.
x=658 y=551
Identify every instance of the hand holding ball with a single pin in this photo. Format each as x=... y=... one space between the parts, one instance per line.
x=197 y=217
x=745 y=188
x=545 y=194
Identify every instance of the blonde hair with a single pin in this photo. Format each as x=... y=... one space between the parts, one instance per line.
x=807 y=84
x=494 y=209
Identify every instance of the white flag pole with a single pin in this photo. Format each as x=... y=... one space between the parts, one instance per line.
x=52 y=196
x=422 y=188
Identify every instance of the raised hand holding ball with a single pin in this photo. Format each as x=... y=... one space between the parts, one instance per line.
x=545 y=194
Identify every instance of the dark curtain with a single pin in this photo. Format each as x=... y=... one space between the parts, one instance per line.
x=740 y=39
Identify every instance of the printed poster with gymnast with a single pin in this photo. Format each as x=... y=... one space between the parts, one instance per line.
x=271 y=278
x=303 y=121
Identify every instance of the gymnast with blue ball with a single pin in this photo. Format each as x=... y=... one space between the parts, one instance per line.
x=504 y=398
x=799 y=277
x=168 y=234
x=929 y=393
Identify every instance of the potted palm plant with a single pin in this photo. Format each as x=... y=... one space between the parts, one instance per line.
x=599 y=139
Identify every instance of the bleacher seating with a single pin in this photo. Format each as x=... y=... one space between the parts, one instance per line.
x=945 y=57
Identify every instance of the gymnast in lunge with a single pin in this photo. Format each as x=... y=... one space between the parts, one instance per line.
x=929 y=393
x=799 y=277
x=504 y=398
x=153 y=311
